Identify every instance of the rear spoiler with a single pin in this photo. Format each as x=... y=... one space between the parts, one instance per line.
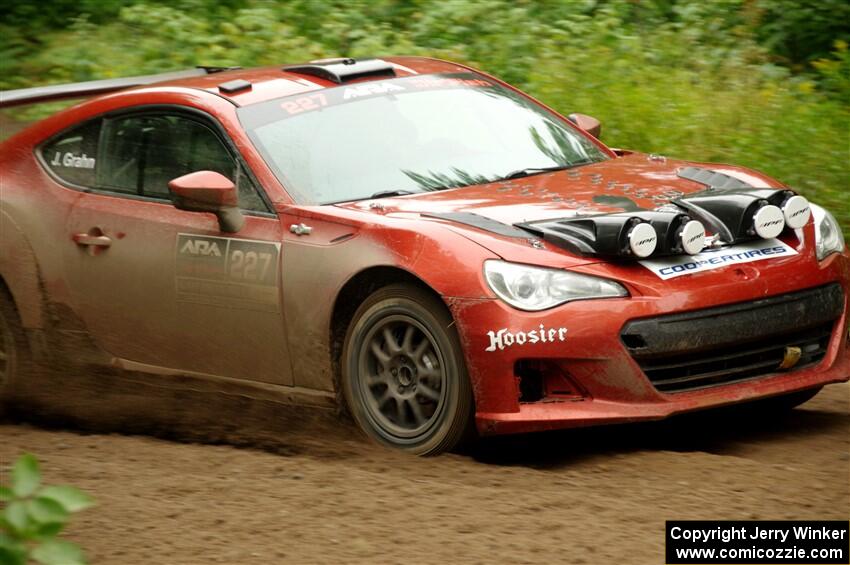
x=9 y=98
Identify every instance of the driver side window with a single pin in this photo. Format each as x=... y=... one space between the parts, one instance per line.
x=140 y=154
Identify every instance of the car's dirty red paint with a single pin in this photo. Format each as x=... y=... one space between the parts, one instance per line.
x=205 y=186
x=63 y=293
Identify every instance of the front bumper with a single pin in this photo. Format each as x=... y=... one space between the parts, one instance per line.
x=583 y=340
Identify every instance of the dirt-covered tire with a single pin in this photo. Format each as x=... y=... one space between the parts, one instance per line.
x=14 y=353
x=403 y=372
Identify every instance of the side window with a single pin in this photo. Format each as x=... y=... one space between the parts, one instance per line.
x=249 y=198
x=73 y=155
x=141 y=154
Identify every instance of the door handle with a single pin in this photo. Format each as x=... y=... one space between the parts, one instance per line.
x=92 y=241
x=301 y=229
x=96 y=240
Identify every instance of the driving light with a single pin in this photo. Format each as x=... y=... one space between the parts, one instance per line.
x=538 y=288
x=768 y=222
x=797 y=211
x=828 y=236
x=692 y=237
x=642 y=240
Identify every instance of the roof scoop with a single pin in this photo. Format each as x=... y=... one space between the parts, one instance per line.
x=344 y=70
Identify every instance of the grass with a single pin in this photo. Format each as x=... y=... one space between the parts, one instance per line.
x=696 y=85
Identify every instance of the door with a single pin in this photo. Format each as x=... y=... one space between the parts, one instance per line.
x=165 y=288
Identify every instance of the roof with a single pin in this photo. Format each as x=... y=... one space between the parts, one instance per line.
x=268 y=83
x=243 y=86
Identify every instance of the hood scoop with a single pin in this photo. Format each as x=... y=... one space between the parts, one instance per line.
x=712 y=178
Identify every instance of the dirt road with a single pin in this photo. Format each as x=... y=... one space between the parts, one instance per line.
x=583 y=496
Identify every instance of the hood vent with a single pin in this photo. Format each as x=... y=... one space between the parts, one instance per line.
x=478 y=221
x=711 y=178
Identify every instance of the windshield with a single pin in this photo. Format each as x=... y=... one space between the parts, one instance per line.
x=408 y=135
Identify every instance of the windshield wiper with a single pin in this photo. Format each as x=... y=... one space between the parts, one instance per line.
x=388 y=193
x=527 y=172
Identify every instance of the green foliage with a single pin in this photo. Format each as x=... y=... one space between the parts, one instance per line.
x=835 y=71
x=760 y=83
x=31 y=517
x=800 y=31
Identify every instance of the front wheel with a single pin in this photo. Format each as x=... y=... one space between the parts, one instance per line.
x=403 y=373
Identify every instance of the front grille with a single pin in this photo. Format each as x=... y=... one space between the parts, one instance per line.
x=732 y=343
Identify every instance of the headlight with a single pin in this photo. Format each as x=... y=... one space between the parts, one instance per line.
x=828 y=236
x=536 y=288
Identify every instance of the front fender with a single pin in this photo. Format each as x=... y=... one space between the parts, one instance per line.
x=316 y=267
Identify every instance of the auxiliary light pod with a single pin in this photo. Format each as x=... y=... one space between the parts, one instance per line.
x=733 y=215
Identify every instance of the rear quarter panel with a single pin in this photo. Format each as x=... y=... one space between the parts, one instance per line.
x=33 y=209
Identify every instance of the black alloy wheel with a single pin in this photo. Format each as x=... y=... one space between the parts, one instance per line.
x=404 y=376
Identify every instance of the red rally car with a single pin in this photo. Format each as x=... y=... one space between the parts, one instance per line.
x=410 y=237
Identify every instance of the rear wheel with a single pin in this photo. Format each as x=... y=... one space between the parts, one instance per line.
x=403 y=372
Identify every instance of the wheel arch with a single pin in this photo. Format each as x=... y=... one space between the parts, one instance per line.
x=19 y=273
x=355 y=290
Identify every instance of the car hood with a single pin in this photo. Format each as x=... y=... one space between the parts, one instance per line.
x=632 y=182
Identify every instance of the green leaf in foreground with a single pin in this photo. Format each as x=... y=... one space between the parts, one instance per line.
x=71 y=499
x=46 y=531
x=58 y=552
x=12 y=554
x=31 y=517
x=15 y=516
x=46 y=511
x=25 y=475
